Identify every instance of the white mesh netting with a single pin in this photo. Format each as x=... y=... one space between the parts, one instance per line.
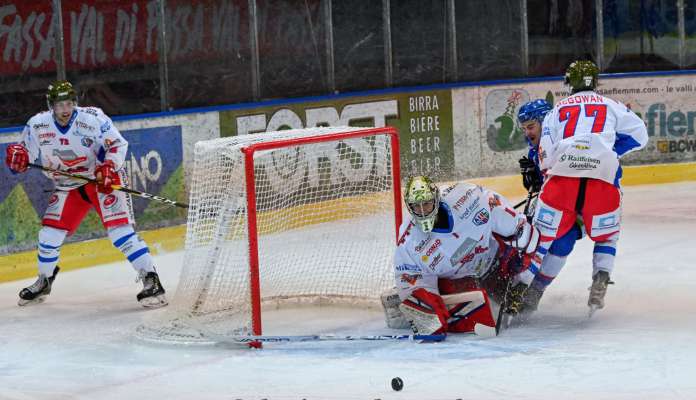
x=326 y=231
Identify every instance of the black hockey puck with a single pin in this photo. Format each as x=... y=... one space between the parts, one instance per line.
x=397 y=384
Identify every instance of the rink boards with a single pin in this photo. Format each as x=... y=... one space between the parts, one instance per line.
x=96 y=252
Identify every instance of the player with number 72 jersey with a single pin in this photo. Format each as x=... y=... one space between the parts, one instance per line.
x=585 y=135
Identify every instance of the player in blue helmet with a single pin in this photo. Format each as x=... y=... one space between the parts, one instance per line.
x=531 y=118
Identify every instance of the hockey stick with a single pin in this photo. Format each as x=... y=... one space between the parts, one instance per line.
x=327 y=338
x=115 y=187
x=499 y=320
x=526 y=201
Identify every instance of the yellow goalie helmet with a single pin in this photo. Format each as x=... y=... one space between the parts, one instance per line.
x=422 y=200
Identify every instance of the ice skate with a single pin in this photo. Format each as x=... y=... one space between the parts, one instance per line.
x=37 y=292
x=598 y=290
x=531 y=299
x=152 y=295
x=514 y=302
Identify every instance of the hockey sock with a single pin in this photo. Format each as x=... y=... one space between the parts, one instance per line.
x=125 y=239
x=528 y=275
x=550 y=268
x=50 y=240
x=604 y=254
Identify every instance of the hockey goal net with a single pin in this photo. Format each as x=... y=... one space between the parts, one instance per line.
x=305 y=216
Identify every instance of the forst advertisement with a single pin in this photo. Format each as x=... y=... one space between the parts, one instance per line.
x=423 y=119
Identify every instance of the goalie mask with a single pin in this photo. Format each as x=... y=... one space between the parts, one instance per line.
x=422 y=200
x=581 y=75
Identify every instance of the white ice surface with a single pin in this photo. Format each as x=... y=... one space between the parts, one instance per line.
x=79 y=344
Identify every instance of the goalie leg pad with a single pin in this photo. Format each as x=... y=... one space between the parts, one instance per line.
x=468 y=310
x=392 y=314
x=426 y=312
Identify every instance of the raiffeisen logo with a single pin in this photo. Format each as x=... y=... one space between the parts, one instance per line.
x=662 y=123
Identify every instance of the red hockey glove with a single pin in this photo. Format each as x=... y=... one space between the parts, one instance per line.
x=106 y=176
x=17 y=158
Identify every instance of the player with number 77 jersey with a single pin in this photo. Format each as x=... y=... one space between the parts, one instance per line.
x=582 y=139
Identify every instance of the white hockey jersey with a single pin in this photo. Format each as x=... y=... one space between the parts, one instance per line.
x=88 y=140
x=585 y=135
x=468 y=248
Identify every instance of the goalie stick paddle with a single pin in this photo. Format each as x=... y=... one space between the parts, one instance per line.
x=115 y=187
x=326 y=338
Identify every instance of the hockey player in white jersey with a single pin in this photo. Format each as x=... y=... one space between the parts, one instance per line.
x=452 y=253
x=582 y=140
x=531 y=116
x=81 y=141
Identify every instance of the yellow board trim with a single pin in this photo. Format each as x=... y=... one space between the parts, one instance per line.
x=89 y=253
x=96 y=252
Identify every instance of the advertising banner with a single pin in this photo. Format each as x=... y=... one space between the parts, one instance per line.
x=423 y=118
x=153 y=164
x=665 y=103
x=113 y=34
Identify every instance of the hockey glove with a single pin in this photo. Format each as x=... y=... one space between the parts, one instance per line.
x=106 y=176
x=526 y=242
x=17 y=158
x=531 y=177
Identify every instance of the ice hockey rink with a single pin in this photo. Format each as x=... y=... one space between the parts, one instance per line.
x=80 y=343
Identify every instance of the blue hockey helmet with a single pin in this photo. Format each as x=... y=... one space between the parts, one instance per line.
x=534 y=110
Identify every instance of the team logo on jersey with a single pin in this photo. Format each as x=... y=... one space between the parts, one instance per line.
x=546 y=216
x=465 y=248
x=434 y=247
x=110 y=201
x=448 y=189
x=53 y=200
x=435 y=261
x=83 y=125
x=408 y=267
x=481 y=217
x=411 y=279
x=105 y=127
x=87 y=142
x=462 y=200
x=68 y=157
x=467 y=258
x=494 y=201
x=423 y=243
x=407 y=232
x=473 y=206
